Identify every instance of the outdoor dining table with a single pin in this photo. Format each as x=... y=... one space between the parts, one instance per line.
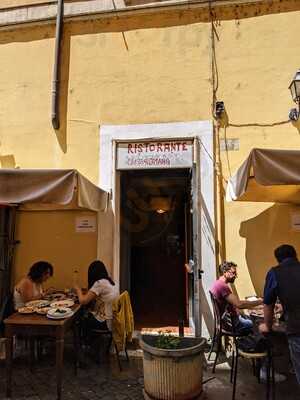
x=35 y=325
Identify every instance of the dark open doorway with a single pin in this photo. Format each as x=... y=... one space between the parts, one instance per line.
x=155 y=244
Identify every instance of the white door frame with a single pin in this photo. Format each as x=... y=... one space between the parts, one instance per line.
x=109 y=179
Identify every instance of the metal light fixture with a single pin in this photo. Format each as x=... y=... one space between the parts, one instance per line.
x=295 y=92
x=160 y=204
x=219 y=109
x=160 y=211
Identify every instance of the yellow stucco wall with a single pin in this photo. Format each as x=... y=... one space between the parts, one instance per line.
x=254 y=74
x=102 y=83
x=158 y=74
x=52 y=236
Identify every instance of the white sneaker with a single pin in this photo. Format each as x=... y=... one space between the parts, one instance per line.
x=292 y=371
x=277 y=376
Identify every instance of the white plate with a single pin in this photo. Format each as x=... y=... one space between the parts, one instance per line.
x=55 y=296
x=62 y=303
x=61 y=316
x=59 y=310
x=252 y=298
x=26 y=310
x=256 y=313
x=42 y=310
x=37 y=303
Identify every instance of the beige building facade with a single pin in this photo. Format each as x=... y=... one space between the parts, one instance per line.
x=151 y=65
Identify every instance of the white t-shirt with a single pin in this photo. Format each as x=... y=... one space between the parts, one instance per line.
x=106 y=293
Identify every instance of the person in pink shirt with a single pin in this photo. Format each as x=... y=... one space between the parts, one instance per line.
x=228 y=301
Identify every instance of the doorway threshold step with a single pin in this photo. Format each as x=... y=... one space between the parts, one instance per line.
x=170 y=329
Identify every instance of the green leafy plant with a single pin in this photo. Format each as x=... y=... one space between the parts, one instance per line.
x=167 y=341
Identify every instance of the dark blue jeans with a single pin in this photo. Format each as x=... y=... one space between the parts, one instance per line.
x=243 y=324
x=89 y=322
x=294 y=345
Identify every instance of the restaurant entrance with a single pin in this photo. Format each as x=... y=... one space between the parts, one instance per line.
x=155 y=244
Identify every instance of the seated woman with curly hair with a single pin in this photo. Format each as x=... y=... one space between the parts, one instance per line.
x=30 y=287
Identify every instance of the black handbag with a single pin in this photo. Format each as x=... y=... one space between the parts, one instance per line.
x=253 y=343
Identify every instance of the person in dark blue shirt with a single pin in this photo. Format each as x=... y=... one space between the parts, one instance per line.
x=283 y=283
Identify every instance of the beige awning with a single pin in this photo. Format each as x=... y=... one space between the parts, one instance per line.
x=267 y=175
x=50 y=189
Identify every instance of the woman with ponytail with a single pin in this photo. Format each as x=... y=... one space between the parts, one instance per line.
x=101 y=293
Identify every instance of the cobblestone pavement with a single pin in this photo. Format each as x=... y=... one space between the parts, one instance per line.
x=248 y=387
x=106 y=382
x=92 y=382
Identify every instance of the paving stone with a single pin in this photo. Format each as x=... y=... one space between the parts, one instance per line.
x=49 y=396
x=110 y=396
x=106 y=382
x=121 y=396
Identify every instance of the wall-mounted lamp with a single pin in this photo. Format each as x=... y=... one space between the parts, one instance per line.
x=160 y=204
x=219 y=109
x=295 y=92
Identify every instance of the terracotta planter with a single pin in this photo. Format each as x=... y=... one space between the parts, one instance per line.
x=171 y=374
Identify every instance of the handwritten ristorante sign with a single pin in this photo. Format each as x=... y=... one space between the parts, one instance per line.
x=160 y=154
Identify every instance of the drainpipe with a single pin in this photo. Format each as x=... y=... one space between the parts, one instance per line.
x=56 y=68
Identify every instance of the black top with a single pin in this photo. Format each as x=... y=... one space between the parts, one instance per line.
x=288 y=289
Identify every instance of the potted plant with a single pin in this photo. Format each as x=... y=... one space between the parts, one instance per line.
x=172 y=366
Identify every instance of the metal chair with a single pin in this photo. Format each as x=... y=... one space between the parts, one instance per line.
x=221 y=331
x=121 y=305
x=256 y=358
x=6 y=309
x=108 y=332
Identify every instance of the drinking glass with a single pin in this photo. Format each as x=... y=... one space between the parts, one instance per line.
x=277 y=317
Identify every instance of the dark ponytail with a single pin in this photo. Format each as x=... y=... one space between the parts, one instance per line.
x=97 y=271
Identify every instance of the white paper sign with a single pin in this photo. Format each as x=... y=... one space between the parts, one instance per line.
x=295 y=221
x=156 y=154
x=86 y=224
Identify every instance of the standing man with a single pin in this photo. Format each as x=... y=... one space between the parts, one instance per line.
x=283 y=282
x=230 y=302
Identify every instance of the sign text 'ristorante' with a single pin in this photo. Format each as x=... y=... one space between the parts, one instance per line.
x=160 y=154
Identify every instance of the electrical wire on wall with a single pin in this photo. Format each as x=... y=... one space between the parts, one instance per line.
x=216 y=165
x=214 y=66
x=123 y=33
x=223 y=123
x=215 y=85
x=219 y=219
x=254 y=124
